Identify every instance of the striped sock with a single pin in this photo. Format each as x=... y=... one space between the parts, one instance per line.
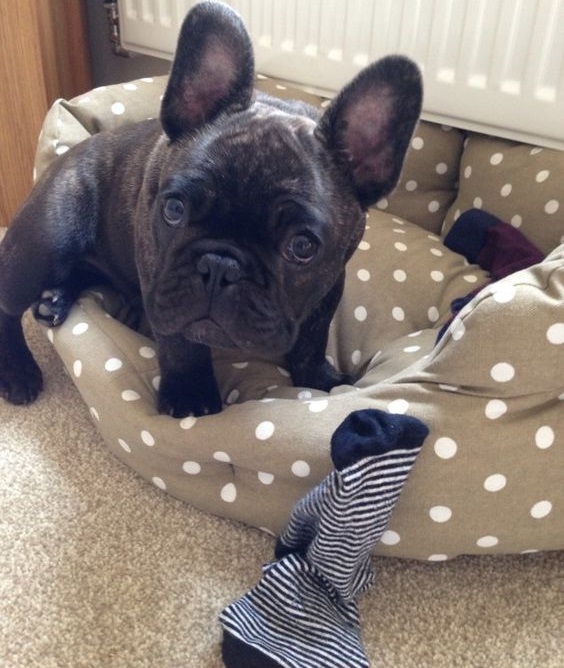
x=303 y=613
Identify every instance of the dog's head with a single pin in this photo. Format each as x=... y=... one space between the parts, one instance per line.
x=260 y=203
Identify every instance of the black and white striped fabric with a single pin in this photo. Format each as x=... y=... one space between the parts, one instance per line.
x=303 y=613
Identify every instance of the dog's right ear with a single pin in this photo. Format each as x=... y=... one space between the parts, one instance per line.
x=212 y=72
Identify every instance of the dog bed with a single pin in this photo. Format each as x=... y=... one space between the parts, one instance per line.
x=490 y=478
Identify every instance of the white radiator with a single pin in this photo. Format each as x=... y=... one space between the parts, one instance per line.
x=496 y=66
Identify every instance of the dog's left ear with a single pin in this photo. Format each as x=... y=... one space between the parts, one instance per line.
x=212 y=72
x=369 y=125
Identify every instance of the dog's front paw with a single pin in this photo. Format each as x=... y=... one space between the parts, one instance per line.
x=180 y=397
x=323 y=377
x=53 y=306
x=20 y=378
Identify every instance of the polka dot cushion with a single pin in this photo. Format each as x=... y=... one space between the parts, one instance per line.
x=520 y=184
x=490 y=476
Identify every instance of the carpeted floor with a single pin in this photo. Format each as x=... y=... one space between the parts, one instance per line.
x=99 y=569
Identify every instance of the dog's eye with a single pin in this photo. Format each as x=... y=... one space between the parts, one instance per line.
x=173 y=211
x=301 y=249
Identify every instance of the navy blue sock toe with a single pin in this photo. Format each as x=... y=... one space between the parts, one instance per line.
x=237 y=654
x=371 y=432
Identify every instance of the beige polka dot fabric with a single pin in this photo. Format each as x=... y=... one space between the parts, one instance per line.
x=490 y=476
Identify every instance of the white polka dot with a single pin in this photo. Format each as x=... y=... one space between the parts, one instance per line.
x=283 y=372
x=478 y=202
x=437 y=252
x=192 y=468
x=417 y=143
x=412 y=349
x=555 y=333
x=301 y=469
x=264 y=430
x=118 y=108
x=448 y=388
x=304 y=394
x=503 y=293
x=188 y=422
x=434 y=206
x=390 y=537
x=147 y=352
x=437 y=276
x=506 y=190
x=445 y=447
x=318 y=406
x=437 y=557
x=80 y=328
x=129 y=86
x=542 y=175
x=411 y=185
x=221 y=456
x=363 y=275
x=398 y=314
x=240 y=365
x=470 y=278
x=398 y=406
x=495 y=409
x=77 y=368
x=364 y=245
x=541 y=510
x=360 y=313
x=467 y=172
x=487 y=541
x=495 y=482
x=440 y=514
x=398 y=230
x=400 y=276
x=130 y=395
x=232 y=397
x=94 y=414
x=113 y=364
x=124 y=445
x=147 y=438
x=544 y=437
x=496 y=159
x=61 y=149
x=516 y=221
x=400 y=246
x=458 y=330
x=229 y=493
x=50 y=335
x=502 y=372
x=356 y=356
x=265 y=478
x=441 y=168
x=552 y=206
x=536 y=150
x=433 y=314
x=159 y=482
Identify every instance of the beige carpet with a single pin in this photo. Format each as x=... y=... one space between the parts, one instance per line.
x=100 y=569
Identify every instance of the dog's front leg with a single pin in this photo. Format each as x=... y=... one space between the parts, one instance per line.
x=188 y=385
x=306 y=361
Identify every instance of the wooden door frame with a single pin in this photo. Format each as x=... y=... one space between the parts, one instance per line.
x=43 y=56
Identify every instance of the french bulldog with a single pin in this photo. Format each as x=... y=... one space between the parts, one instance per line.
x=230 y=219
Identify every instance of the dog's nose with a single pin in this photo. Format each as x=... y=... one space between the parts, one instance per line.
x=218 y=271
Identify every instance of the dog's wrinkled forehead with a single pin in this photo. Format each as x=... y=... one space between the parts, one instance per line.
x=263 y=145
